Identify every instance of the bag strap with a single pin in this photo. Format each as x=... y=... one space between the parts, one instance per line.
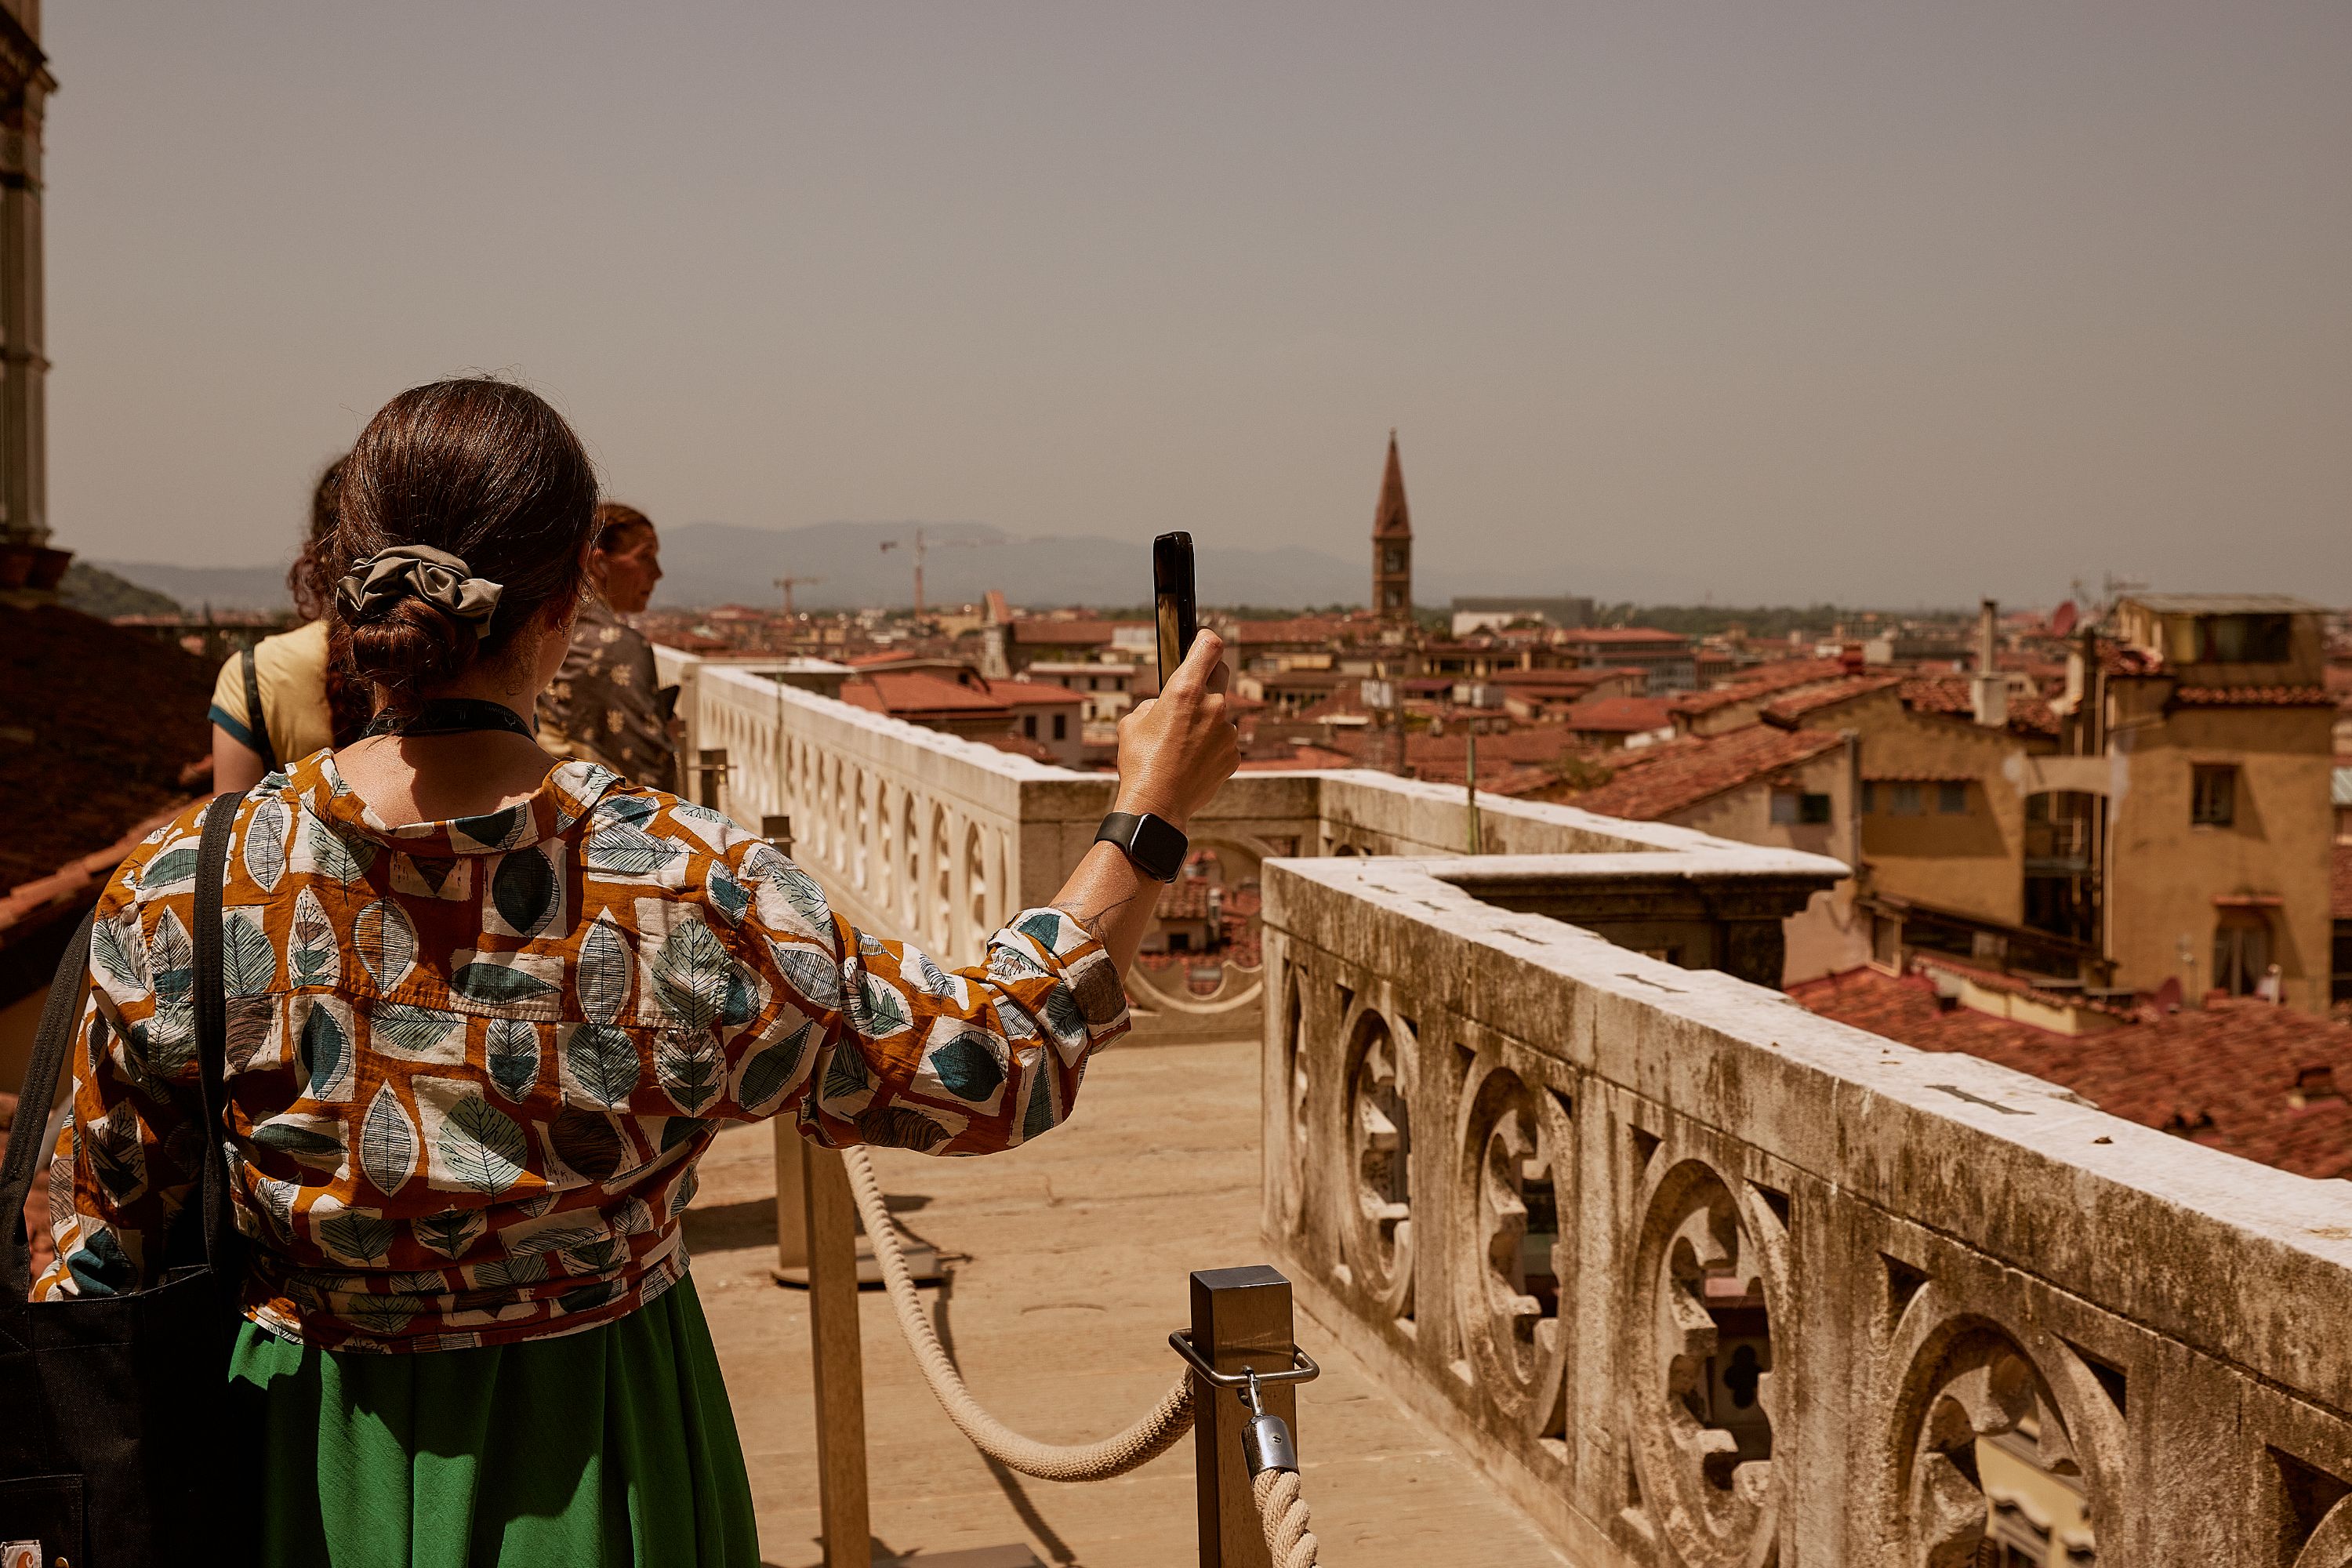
x=210 y=1000
x=256 y=721
x=28 y=1138
x=61 y=1011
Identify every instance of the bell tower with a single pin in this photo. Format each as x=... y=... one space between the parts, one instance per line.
x=1392 y=545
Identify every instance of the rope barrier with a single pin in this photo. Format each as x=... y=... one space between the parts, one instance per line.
x=1283 y=1514
x=1282 y=1511
x=1138 y=1446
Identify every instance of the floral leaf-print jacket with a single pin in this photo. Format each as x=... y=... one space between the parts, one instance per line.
x=471 y=1065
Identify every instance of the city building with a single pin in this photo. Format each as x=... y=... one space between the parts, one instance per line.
x=2163 y=822
x=1668 y=657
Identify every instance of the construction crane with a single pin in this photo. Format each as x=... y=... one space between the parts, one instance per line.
x=921 y=546
x=788 y=584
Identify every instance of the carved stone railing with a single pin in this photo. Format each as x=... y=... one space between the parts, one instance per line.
x=921 y=836
x=1709 y=1282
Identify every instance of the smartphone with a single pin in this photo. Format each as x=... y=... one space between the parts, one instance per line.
x=1171 y=600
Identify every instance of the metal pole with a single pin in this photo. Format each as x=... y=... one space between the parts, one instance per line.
x=1241 y=1321
x=712 y=766
x=1472 y=798
x=831 y=1220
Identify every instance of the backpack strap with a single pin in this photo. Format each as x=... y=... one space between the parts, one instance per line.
x=28 y=1137
x=210 y=1001
x=256 y=722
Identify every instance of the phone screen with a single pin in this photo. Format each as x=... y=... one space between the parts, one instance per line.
x=1171 y=600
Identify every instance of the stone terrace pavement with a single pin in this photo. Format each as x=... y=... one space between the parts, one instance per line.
x=1068 y=1265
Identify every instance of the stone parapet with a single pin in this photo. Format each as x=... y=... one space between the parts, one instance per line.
x=1708 y=1280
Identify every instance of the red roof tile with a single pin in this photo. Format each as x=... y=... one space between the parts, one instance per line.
x=1062 y=633
x=1033 y=694
x=2253 y=696
x=1626 y=636
x=1950 y=695
x=96 y=724
x=1663 y=780
x=1618 y=715
x=1797 y=704
x=2226 y=1076
x=1761 y=681
x=912 y=692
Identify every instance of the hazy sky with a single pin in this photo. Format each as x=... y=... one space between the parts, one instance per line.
x=1881 y=302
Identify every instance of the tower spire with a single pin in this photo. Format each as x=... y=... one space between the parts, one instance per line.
x=1393 y=543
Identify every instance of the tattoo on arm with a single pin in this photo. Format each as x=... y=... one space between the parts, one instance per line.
x=1097 y=920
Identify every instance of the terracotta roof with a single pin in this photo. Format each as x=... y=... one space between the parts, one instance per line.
x=1950 y=695
x=1797 y=704
x=2227 y=1076
x=1566 y=679
x=1676 y=776
x=911 y=692
x=1630 y=636
x=1618 y=715
x=99 y=724
x=1022 y=747
x=1062 y=633
x=1761 y=681
x=1034 y=694
x=2252 y=697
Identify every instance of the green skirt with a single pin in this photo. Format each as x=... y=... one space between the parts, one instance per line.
x=613 y=1445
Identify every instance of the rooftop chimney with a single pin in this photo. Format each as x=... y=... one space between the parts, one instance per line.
x=1991 y=694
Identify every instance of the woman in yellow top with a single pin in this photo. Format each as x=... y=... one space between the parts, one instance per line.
x=485 y=1013
x=302 y=697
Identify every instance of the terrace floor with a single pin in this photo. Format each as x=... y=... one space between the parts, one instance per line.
x=1068 y=1266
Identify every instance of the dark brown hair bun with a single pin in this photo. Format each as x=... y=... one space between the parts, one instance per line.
x=487 y=471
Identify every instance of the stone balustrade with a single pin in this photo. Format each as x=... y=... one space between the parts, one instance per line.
x=1710 y=1282
x=1705 y=1281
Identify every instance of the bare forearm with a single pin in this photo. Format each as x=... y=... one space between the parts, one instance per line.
x=1113 y=900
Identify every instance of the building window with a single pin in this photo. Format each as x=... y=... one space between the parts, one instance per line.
x=2242 y=953
x=1869 y=797
x=1061 y=726
x=1903 y=800
x=2244 y=639
x=2213 y=794
x=1952 y=799
x=1029 y=725
x=1790 y=807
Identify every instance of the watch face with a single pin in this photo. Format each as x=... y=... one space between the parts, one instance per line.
x=1160 y=849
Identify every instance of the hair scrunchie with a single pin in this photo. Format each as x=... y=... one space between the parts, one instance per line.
x=405 y=571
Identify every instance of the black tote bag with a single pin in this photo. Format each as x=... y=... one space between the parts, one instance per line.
x=113 y=1429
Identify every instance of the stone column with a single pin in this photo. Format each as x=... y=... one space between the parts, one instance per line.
x=25 y=87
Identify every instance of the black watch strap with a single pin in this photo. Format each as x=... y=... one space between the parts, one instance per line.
x=1155 y=844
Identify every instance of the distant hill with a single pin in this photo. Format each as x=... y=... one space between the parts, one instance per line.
x=716 y=563
x=222 y=587
x=722 y=563
x=95 y=591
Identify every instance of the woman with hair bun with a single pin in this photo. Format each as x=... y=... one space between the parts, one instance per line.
x=487 y=1011
x=287 y=695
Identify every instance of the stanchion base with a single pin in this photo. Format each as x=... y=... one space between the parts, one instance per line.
x=922 y=1262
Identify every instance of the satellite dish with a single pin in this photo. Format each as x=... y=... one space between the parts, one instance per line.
x=2168 y=995
x=2062 y=619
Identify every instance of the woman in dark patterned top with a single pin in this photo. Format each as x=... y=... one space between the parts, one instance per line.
x=485 y=1012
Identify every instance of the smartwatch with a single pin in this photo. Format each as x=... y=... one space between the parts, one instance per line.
x=1155 y=844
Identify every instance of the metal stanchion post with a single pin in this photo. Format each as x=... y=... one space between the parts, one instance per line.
x=711 y=764
x=831 y=1220
x=1241 y=1322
